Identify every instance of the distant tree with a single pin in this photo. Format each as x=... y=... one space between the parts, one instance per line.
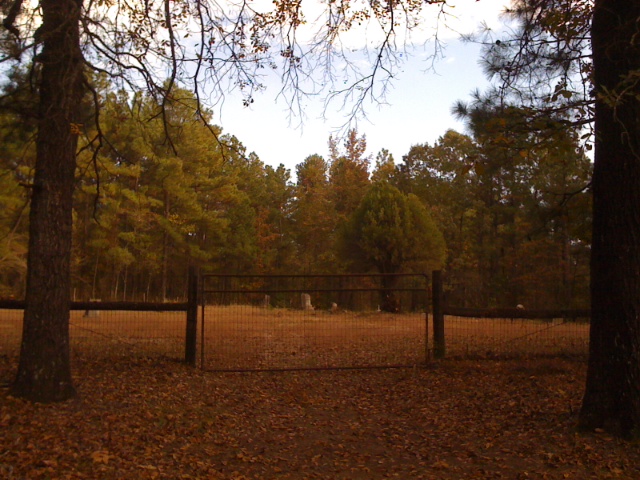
x=314 y=217
x=348 y=173
x=274 y=222
x=158 y=212
x=392 y=233
x=512 y=209
x=531 y=176
x=17 y=130
x=385 y=167
x=13 y=236
x=443 y=177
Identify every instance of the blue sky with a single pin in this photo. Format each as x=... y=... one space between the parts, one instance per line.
x=417 y=108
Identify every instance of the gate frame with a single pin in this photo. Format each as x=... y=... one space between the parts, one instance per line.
x=203 y=291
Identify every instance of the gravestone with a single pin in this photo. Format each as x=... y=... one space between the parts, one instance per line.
x=305 y=300
x=266 y=301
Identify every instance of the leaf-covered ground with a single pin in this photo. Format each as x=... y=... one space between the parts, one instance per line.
x=453 y=420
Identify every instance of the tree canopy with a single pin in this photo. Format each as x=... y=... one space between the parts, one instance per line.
x=392 y=233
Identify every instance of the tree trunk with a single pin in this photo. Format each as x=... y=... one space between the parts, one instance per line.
x=44 y=372
x=612 y=396
x=95 y=278
x=165 y=249
x=388 y=295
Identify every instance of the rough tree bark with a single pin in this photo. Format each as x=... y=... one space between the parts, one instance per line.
x=612 y=397
x=44 y=372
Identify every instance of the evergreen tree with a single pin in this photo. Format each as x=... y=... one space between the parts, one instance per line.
x=348 y=174
x=314 y=217
x=391 y=233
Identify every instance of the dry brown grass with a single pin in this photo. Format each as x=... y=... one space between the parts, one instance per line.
x=108 y=333
x=248 y=337
x=238 y=337
x=506 y=337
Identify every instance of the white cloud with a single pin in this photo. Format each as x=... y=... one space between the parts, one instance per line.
x=418 y=108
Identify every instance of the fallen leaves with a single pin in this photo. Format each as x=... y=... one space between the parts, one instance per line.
x=100 y=456
x=475 y=420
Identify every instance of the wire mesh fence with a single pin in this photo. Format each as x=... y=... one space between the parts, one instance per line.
x=10 y=332
x=108 y=333
x=515 y=337
x=507 y=331
x=307 y=322
x=313 y=322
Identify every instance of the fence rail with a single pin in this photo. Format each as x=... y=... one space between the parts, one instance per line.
x=261 y=322
x=538 y=314
x=98 y=329
x=106 y=306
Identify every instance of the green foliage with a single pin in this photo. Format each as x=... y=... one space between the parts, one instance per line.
x=348 y=174
x=384 y=168
x=512 y=206
x=314 y=217
x=17 y=130
x=169 y=196
x=159 y=198
x=392 y=233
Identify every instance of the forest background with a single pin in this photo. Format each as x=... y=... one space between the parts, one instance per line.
x=504 y=210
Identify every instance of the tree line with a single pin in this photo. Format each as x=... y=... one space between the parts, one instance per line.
x=503 y=210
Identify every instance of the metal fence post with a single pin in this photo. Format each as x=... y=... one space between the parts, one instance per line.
x=439 y=349
x=427 y=350
x=192 y=318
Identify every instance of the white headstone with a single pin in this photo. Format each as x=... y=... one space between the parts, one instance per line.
x=305 y=299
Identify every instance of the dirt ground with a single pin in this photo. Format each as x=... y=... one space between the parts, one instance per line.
x=455 y=419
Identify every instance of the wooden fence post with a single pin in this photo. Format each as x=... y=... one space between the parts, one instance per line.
x=439 y=349
x=192 y=318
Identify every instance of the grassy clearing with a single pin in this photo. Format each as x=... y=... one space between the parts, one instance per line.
x=249 y=337
x=507 y=337
x=254 y=338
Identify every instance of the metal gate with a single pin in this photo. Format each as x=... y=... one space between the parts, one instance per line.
x=299 y=322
